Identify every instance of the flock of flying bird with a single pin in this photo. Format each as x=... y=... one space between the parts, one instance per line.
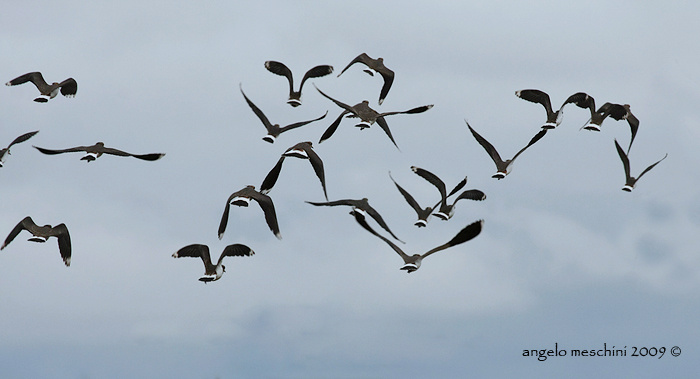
x=360 y=208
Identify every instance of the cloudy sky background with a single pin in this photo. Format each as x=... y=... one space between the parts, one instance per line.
x=565 y=256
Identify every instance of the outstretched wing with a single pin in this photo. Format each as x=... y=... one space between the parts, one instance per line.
x=195 y=251
x=333 y=127
x=362 y=58
x=34 y=77
x=534 y=139
x=279 y=68
x=472 y=194
x=385 y=127
x=25 y=224
x=486 y=145
x=360 y=218
x=271 y=177
x=415 y=110
x=60 y=231
x=625 y=160
x=236 y=250
x=536 y=96
x=338 y=103
x=257 y=111
x=434 y=180
x=301 y=123
x=316 y=72
x=54 y=152
x=409 y=199
x=652 y=166
x=22 y=138
x=469 y=232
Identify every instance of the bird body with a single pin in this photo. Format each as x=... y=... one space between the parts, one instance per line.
x=630 y=181
x=302 y=150
x=242 y=198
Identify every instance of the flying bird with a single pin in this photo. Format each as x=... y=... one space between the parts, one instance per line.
x=68 y=87
x=630 y=181
x=282 y=70
x=367 y=116
x=302 y=150
x=616 y=111
x=413 y=262
x=213 y=272
x=446 y=210
x=95 y=151
x=6 y=151
x=375 y=65
x=41 y=234
x=273 y=131
x=242 y=198
x=553 y=117
x=362 y=206
x=503 y=168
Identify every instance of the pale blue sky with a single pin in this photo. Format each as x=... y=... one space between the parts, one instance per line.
x=565 y=256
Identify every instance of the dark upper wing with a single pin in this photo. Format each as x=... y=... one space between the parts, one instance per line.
x=434 y=180
x=411 y=201
x=338 y=103
x=317 y=165
x=23 y=138
x=378 y=218
x=624 y=159
x=534 y=139
x=69 y=87
x=458 y=187
x=195 y=251
x=34 y=77
x=360 y=218
x=486 y=145
x=257 y=111
x=362 y=58
x=53 y=152
x=236 y=250
x=333 y=127
x=224 y=218
x=268 y=208
x=301 y=123
x=282 y=70
x=415 y=110
x=470 y=231
x=25 y=224
x=535 y=96
x=388 y=76
x=60 y=231
x=271 y=177
x=472 y=194
x=634 y=126
x=652 y=166
x=581 y=100
x=316 y=72
x=348 y=202
x=148 y=157
x=385 y=127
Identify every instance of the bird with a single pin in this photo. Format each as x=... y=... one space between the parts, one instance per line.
x=630 y=181
x=616 y=111
x=446 y=210
x=273 y=131
x=302 y=150
x=68 y=87
x=554 y=118
x=213 y=272
x=242 y=198
x=423 y=213
x=367 y=116
x=413 y=262
x=95 y=151
x=503 y=168
x=6 y=151
x=282 y=70
x=362 y=206
x=41 y=234
x=375 y=65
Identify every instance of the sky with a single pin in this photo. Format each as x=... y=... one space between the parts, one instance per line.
x=565 y=257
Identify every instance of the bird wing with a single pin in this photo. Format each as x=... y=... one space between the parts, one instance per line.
x=362 y=58
x=581 y=100
x=409 y=199
x=317 y=165
x=536 y=96
x=486 y=145
x=338 y=103
x=148 y=157
x=69 y=150
x=348 y=202
x=634 y=126
x=257 y=111
x=458 y=187
x=271 y=177
x=388 y=76
x=434 y=180
x=22 y=138
x=196 y=251
x=279 y=68
x=469 y=232
x=652 y=166
x=625 y=160
x=316 y=72
x=60 y=231
x=236 y=250
x=333 y=127
x=415 y=110
x=301 y=123
x=34 y=77
x=25 y=224
x=224 y=217
x=534 y=139
x=360 y=218
x=378 y=218
x=69 y=87
x=268 y=208
x=385 y=127
x=472 y=194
